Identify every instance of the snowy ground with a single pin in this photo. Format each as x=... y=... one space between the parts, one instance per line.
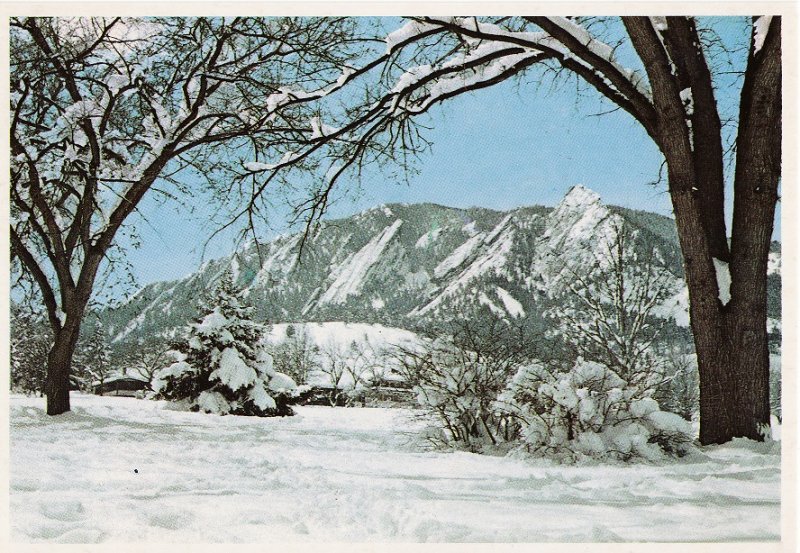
x=121 y=469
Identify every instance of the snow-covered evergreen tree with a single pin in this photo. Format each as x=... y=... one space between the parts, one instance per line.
x=220 y=368
x=94 y=359
x=31 y=339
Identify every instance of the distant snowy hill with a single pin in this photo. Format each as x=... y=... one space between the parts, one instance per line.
x=407 y=266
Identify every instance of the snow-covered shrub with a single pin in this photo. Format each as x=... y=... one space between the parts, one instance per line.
x=590 y=412
x=220 y=367
x=610 y=315
x=679 y=391
x=457 y=378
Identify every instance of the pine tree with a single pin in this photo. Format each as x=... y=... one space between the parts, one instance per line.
x=30 y=341
x=94 y=358
x=220 y=368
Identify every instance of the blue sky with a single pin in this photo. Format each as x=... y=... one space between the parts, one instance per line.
x=500 y=148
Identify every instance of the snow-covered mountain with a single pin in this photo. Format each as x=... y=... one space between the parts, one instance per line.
x=407 y=266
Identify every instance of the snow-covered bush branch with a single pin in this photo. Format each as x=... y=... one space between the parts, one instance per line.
x=589 y=411
x=457 y=374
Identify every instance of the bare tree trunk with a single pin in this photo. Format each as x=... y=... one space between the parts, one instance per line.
x=59 y=360
x=730 y=340
x=734 y=377
x=734 y=367
x=59 y=365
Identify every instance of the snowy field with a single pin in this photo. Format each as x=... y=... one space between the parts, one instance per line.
x=121 y=469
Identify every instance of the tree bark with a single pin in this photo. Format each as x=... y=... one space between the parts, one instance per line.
x=730 y=340
x=733 y=361
x=59 y=365
x=734 y=371
x=66 y=334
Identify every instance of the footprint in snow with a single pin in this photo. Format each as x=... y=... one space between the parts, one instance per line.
x=82 y=535
x=172 y=519
x=24 y=485
x=68 y=511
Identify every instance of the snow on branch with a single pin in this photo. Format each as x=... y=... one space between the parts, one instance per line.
x=660 y=26
x=102 y=109
x=287 y=95
x=285 y=160
x=598 y=55
x=574 y=48
x=470 y=55
x=562 y=36
x=760 y=31
x=411 y=30
x=460 y=73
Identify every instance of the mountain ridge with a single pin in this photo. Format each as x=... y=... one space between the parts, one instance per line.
x=407 y=265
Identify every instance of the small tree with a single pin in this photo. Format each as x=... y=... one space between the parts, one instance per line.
x=361 y=367
x=297 y=355
x=94 y=359
x=30 y=341
x=607 y=313
x=220 y=367
x=680 y=391
x=333 y=367
x=146 y=359
x=349 y=370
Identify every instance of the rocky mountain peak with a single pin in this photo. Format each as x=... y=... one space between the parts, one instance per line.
x=578 y=198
